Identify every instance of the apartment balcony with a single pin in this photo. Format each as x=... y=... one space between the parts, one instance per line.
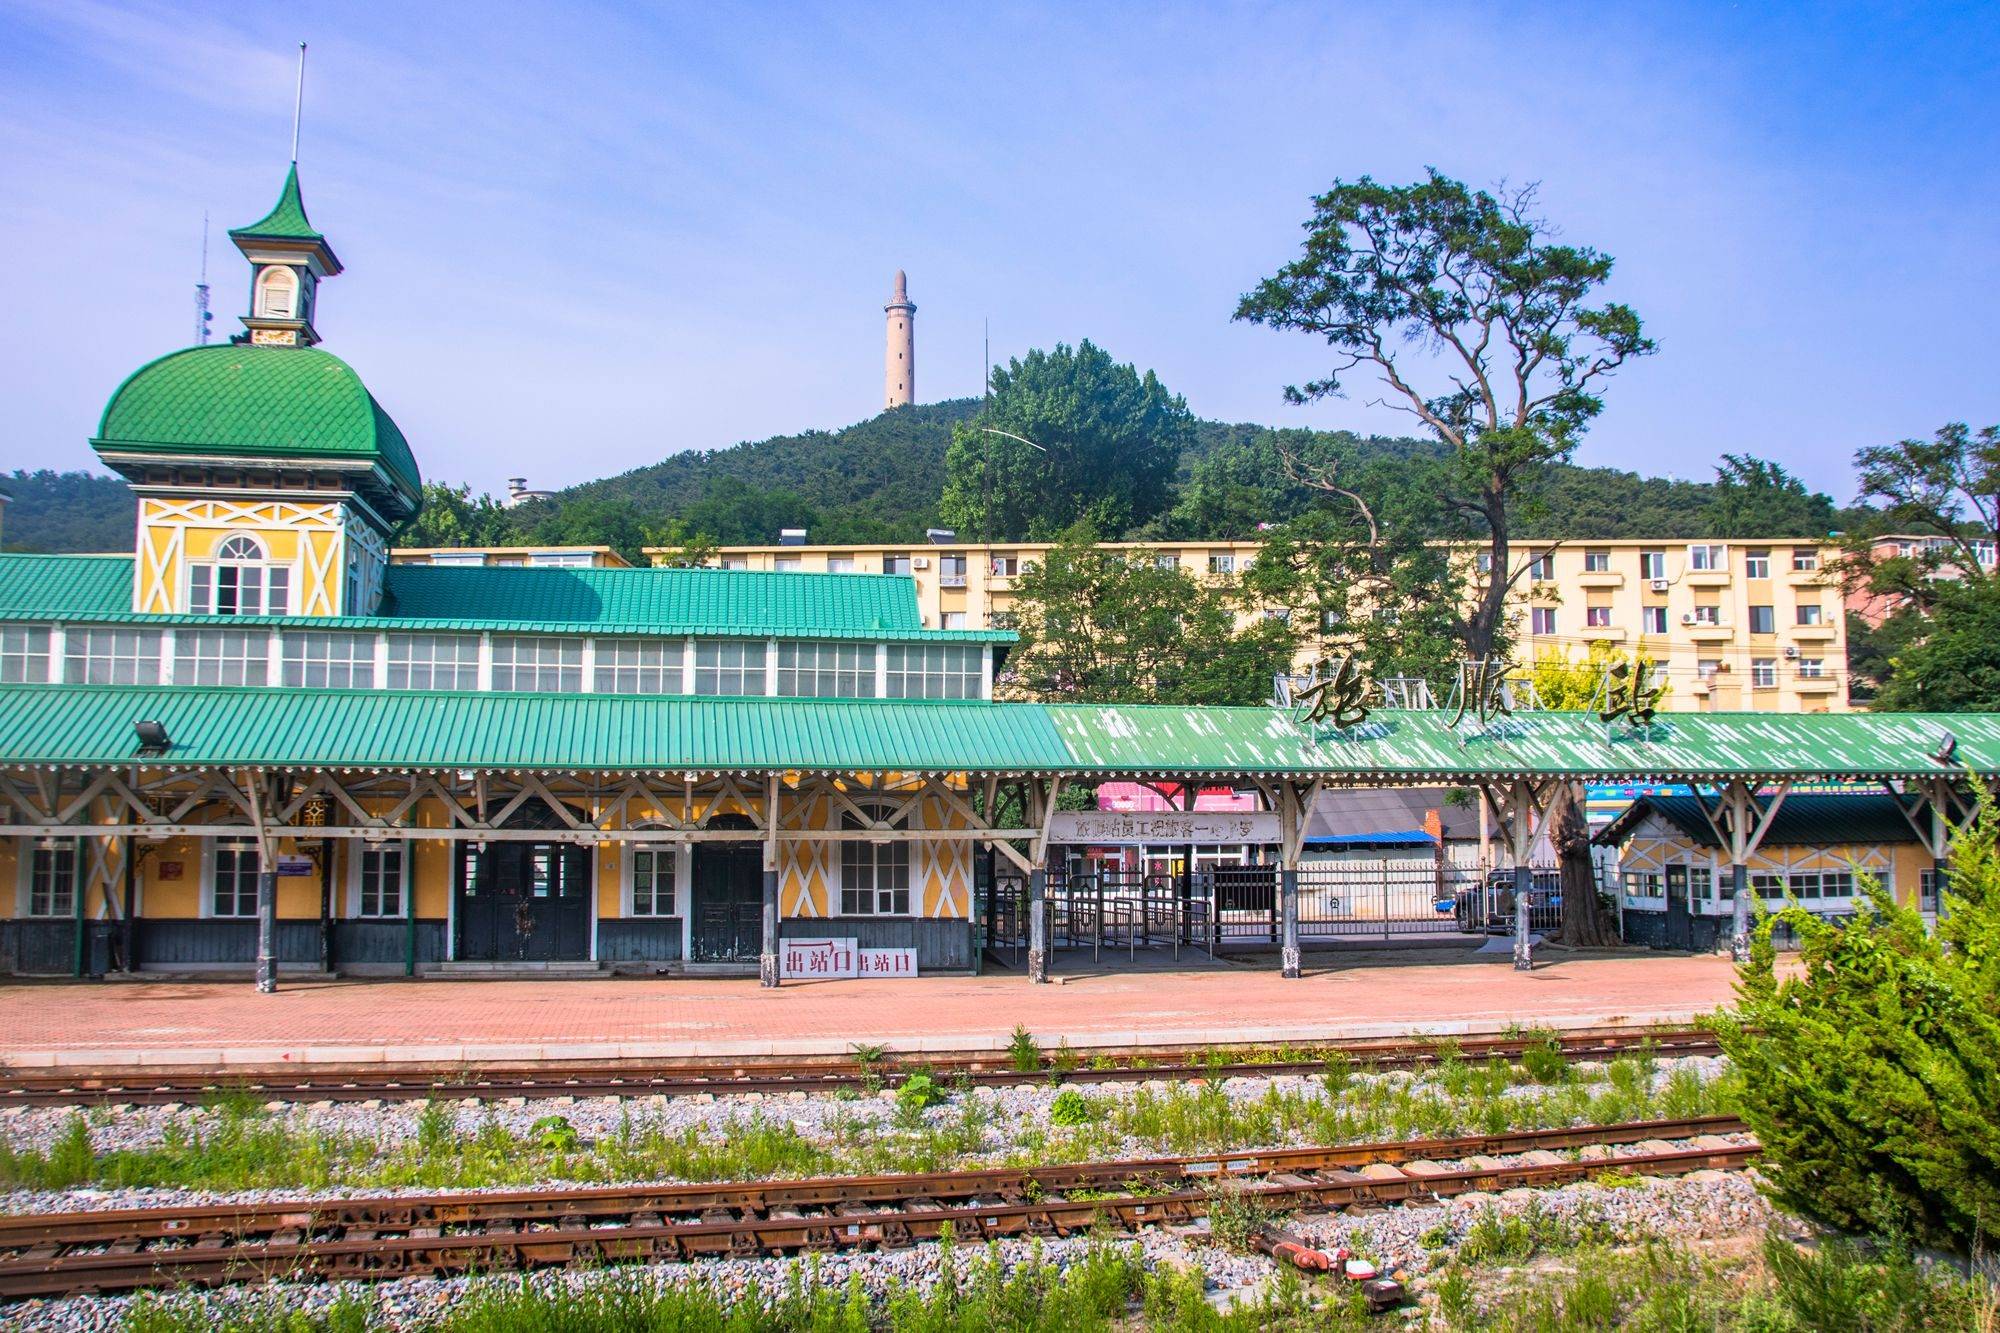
x=1814 y=685
x=1604 y=633
x=1708 y=633
x=951 y=580
x=1810 y=578
x=1815 y=633
x=1544 y=592
x=1706 y=578
x=1600 y=578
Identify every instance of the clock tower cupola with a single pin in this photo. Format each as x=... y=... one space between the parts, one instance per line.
x=287 y=260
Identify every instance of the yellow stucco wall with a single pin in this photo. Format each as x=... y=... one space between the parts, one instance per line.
x=310 y=537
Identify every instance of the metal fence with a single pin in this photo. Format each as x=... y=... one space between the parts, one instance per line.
x=1113 y=913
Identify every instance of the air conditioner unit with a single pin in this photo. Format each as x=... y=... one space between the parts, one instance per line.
x=1687 y=618
x=921 y=562
x=1659 y=585
x=1791 y=650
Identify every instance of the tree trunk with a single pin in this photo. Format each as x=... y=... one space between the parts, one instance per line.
x=1585 y=922
x=1483 y=631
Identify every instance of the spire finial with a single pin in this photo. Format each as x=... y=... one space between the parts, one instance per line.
x=902 y=288
x=298 y=103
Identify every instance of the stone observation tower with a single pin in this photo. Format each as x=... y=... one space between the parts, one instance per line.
x=899 y=378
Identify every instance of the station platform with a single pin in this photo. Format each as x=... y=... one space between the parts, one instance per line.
x=348 y=1022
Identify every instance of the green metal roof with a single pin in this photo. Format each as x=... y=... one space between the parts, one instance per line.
x=241 y=401
x=82 y=724
x=287 y=219
x=97 y=589
x=1814 y=819
x=76 y=724
x=1423 y=746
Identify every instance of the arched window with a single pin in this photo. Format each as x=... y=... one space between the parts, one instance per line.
x=278 y=293
x=239 y=581
x=874 y=875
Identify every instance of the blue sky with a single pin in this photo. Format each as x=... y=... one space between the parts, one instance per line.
x=581 y=237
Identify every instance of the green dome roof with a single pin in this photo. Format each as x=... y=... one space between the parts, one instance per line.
x=240 y=401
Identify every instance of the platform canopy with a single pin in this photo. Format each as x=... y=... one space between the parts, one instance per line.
x=62 y=726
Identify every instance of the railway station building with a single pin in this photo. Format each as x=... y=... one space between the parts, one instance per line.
x=254 y=740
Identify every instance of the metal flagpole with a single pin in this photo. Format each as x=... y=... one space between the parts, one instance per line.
x=298 y=102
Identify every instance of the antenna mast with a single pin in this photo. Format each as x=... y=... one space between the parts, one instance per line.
x=986 y=343
x=298 y=103
x=201 y=315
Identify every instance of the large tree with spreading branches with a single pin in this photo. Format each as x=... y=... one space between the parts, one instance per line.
x=1462 y=304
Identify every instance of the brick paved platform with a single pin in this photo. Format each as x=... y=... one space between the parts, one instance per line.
x=226 y=1022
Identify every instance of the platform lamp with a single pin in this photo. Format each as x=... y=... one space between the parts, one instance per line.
x=153 y=739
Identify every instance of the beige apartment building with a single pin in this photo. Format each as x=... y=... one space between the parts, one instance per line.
x=1738 y=625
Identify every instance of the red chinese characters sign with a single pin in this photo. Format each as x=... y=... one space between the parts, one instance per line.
x=831 y=958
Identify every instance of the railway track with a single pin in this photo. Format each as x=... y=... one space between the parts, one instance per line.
x=680 y=1079
x=46 y=1255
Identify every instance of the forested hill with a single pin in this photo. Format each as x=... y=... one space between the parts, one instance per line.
x=880 y=480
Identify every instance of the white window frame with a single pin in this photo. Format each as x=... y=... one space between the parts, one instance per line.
x=210 y=847
x=937 y=683
x=1652 y=565
x=745 y=672
x=297 y=663
x=1805 y=560
x=1770 y=625
x=429 y=664
x=357 y=853
x=1757 y=563
x=1539 y=616
x=530 y=654
x=25 y=657
x=79 y=643
x=1763 y=673
x=1809 y=615
x=1597 y=617
x=271 y=577
x=1653 y=619
x=840 y=564
x=895 y=849
x=275 y=278
x=608 y=668
x=675 y=857
x=27 y=853
x=1812 y=668
x=192 y=652
x=1708 y=558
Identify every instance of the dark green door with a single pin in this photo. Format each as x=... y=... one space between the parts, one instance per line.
x=1680 y=924
x=728 y=902
x=524 y=902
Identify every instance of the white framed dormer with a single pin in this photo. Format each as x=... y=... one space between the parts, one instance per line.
x=277 y=292
x=48 y=879
x=378 y=880
x=240 y=579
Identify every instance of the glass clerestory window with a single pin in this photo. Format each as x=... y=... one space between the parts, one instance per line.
x=111 y=657
x=222 y=657
x=729 y=666
x=653 y=881
x=827 y=670
x=639 y=666
x=381 y=873
x=539 y=663
x=24 y=654
x=934 y=671
x=239 y=582
x=433 y=662
x=52 y=881
x=233 y=885
x=316 y=659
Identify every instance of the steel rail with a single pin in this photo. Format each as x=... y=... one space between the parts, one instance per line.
x=727 y=1078
x=129 y=1249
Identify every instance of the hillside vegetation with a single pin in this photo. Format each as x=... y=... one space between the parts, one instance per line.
x=881 y=480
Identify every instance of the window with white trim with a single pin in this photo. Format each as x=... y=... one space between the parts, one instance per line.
x=111 y=656
x=874 y=876
x=433 y=661
x=52 y=881
x=1701 y=884
x=652 y=871
x=1812 y=668
x=538 y=663
x=896 y=564
x=277 y=293
x=222 y=657
x=1222 y=562
x=239 y=581
x=1708 y=559
x=729 y=666
x=1161 y=560
x=788 y=564
x=840 y=564
x=1927 y=890
x=934 y=671
x=1642 y=884
x=1541 y=620
x=1597 y=561
x=232 y=881
x=380 y=872
x=330 y=660
x=1763 y=673
x=1538 y=569
x=1804 y=559
x=24 y=654
x=1810 y=613
x=639 y=666
x=1597 y=617
x=1757 y=564
x=1707 y=613
x=1652 y=564
x=1653 y=619
x=826 y=670
x=1763 y=620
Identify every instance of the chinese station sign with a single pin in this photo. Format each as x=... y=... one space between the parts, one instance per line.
x=829 y=959
x=1101 y=828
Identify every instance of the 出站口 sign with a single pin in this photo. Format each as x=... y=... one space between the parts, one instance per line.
x=1122 y=827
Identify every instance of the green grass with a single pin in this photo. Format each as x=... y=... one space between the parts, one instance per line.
x=1099 y=1291
x=237 y=1144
